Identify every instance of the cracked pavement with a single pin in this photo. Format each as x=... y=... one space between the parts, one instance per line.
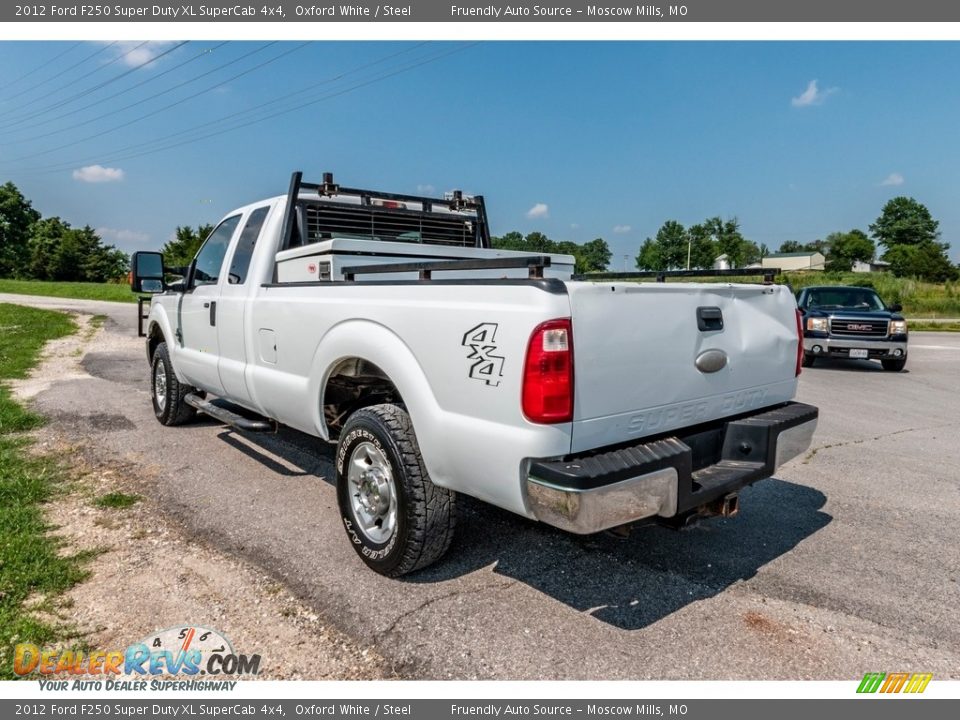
x=847 y=562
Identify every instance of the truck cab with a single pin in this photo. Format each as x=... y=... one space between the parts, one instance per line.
x=852 y=323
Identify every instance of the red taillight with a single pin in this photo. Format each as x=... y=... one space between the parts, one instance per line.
x=799 y=341
x=548 y=373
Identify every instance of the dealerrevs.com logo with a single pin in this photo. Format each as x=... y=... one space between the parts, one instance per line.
x=187 y=650
x=888 y=683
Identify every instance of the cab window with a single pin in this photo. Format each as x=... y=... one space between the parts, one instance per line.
x=240 y=263
x=210 y=258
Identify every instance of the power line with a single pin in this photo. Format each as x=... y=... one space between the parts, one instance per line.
x=163 y=109
x=59 y=105
x=42 y=66
x=142 y=100
x=271 y=103
x=297 y=107
x=76 y=80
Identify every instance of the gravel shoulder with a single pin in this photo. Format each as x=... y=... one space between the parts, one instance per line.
x=147 y=574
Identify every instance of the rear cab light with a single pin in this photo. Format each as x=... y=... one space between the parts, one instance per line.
x=547 y=395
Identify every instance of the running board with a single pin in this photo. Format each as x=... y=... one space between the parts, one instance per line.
x=228 y=417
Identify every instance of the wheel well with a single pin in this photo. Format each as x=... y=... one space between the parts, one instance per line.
x=154 y=338
x=355 y=383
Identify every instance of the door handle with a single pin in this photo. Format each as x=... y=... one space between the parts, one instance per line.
x=213 y=311
x=709 y=318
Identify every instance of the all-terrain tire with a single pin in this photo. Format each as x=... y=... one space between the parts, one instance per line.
x=167 y=392
x=379 y=444
x=894 y=365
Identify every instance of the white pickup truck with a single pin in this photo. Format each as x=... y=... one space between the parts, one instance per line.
x=386 y=324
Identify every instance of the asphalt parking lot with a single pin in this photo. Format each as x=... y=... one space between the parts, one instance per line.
x=847 y=562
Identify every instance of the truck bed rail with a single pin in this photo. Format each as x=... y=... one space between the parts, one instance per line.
x=662 y=275
x=534 y=264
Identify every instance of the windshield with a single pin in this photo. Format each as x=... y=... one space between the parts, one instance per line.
x=845 y=298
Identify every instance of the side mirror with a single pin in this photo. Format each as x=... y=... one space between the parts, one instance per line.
x=896 y=307
x=146 y=272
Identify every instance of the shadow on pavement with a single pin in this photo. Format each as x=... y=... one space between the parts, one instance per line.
x=627 y=583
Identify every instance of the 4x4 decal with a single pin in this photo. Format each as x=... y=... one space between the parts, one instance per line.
x=486 y=365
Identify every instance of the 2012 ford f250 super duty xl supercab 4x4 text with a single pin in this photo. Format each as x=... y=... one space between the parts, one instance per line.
x=387 y=324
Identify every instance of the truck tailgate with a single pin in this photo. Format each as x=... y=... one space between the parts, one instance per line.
x=636 y=349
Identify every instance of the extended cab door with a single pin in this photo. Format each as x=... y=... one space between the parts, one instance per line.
x=232 y=308
x=199 y=351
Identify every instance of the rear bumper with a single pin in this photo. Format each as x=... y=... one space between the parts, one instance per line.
x=670 y=476
x=841 y=347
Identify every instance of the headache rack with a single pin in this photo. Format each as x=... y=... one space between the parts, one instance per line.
x=342 y=212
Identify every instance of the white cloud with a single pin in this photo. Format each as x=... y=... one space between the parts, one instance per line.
x=426 y=189
x=540 y=210
x=134 y=56
x=893 y=179
x=98 y=174
x=813 y=95
x=123 y=238
x=574 y=226
x=621 y=229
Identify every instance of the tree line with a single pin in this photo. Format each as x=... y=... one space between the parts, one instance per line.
x=33 y=247
x=592 y=256
x=905 y=229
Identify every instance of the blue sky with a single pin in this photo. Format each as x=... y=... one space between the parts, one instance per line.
x=578 y=140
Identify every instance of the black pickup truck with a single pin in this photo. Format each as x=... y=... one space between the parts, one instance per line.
x=852 y=322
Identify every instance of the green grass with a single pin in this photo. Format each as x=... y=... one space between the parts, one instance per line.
x=116 y=500
x=84 y=291
x=31 y=564
x=919 y=299
x=935 y=326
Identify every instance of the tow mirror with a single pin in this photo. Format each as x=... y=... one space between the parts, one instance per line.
x=146 y=272
x=896 y=307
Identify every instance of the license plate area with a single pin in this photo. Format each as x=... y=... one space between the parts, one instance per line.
x=859 y=354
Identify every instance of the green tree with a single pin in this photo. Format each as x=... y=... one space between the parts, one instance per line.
x=180 y=251
x=60 y=252
x=649 y=256
x=904 y=221
x=17 y=216
x=595 y=255
x=510 y=241
x=911 y=238
x=703 y=248
x=589 y=257
x=792 y=246
x=926 y=260
x=731 y=242
x=847 y=248
x=47 y=259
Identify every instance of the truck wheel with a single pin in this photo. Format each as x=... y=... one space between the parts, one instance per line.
x=168 y=392
x=397 y=520
x=894 y=365
x=808 y=360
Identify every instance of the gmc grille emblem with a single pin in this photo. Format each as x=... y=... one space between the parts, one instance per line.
x=859 y=326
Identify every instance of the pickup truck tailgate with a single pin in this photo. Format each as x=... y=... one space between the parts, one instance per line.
x=636 y=349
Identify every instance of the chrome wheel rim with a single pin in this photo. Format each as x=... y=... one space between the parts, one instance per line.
x=373 y=494
x=160 y=386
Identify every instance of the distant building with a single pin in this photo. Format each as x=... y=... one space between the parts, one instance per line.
x=721 y=262
x=872 y=266
x=795 y=261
